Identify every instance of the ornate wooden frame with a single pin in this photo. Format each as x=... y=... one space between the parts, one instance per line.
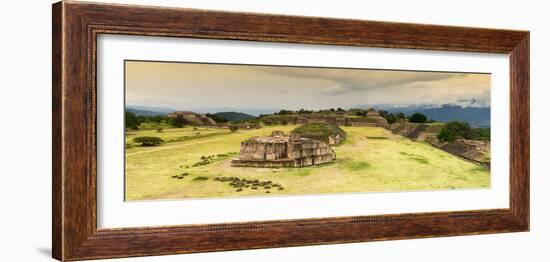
x=76 y=26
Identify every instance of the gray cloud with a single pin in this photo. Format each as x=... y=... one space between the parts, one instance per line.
x=345 y=81
x=189 y=86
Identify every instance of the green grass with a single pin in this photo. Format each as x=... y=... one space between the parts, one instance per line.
x=386 y=163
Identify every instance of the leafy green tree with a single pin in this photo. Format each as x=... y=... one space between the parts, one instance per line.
x=418 y=118
x=400 y=115
x=284 y=112
x=455 y=130
x=179 y=121
x=148 y=140
x=391 y=118
x=233 y=128
x=483 y=134
x=217 y=118
x=131 y=120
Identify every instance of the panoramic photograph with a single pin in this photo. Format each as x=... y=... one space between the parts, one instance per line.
x=200 y=130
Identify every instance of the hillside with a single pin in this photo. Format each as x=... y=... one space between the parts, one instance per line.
x=235 y=116
x=148 y=111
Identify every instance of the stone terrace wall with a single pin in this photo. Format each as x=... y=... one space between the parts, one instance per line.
x=253 y=150
x=283 y=151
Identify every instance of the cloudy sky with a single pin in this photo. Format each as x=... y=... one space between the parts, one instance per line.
x=191 y=86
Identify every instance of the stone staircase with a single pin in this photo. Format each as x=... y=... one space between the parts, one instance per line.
x=414 y=134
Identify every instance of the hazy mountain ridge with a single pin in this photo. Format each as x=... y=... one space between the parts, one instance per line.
x=477 y=112
x=235 y=116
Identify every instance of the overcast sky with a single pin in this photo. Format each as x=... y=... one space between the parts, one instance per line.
x=190 y=86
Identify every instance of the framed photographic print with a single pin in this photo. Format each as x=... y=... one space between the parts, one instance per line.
x=182 y=130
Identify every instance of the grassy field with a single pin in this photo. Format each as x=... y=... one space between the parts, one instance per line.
x=369 y=160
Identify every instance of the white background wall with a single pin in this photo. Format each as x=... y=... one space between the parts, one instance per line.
x=25 y=106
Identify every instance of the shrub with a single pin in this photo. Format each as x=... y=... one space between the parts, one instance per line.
x=483 y=134
x=400 y=116
x=148 y=140
x=131 y=120
x=217 y=118
x=391 y=118
x=233 y=128
x=179 y=121
x=455 y=130
x=418 y=118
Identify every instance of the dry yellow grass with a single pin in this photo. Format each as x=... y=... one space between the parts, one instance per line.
x=370 y=160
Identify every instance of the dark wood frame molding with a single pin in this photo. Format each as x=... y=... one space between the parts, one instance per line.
x=76 y=26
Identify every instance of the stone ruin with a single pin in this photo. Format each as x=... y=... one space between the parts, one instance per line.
x=279 y=150
x=193 y=118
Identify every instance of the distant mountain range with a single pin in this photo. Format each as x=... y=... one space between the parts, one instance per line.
x=149 y=111
x=476 y=116
x=477 y=112
x=235 y=116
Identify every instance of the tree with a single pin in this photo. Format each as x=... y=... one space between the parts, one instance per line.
x=233 y=128
x=284 y=112
x=179 y=121
x=383 y=113
x=391 y=118
x=284 y=123
x=149 y=140
x=131 y=120
x=217 y=118
x=418 y=118
x=400 y=115
x=483 y=134
x=455 y=130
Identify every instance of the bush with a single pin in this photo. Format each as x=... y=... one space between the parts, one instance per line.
x=217 y=118
x=400 y=116
x=131 y=120
x=455 y=130
x=233 y=128
x=148 y=140
x=391 y=118
x=418 y=118
x=179 y=121
x=483 y=134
